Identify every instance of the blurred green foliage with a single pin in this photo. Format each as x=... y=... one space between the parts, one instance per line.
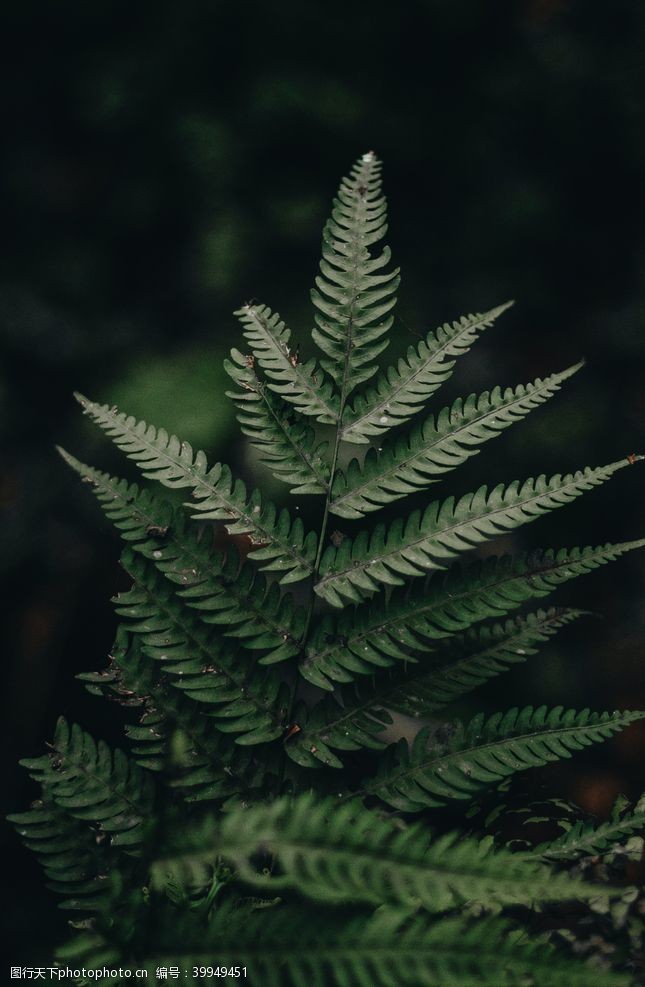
x=164 y=162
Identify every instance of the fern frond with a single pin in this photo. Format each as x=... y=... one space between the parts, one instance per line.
x=296 y=946
x=409 y=463
x=207 y=669
x=91 y=782
x=484 y=752
x=171 y=738
x=412 y=546
x=286 y=446
x=345 y=854
x=352 y=301
x=473 y=658
x=282 y=542
x=76 y=865
x=417 y=690
x=304 y=385
x=345 y=721
x=364 y=639
x=401 y=391
x=222 y=592
x=587 y=838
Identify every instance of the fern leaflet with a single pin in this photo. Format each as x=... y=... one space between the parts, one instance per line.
x=401 y=391
x=207 y=669
x=286 y=445
x=302 y=384
x=369 y=637
x=171 y=738
x=586 y=838
x=419 y=688
x=484 y=752
x=75 y=863
x=410 y=463
x=409 y=547
x=257 y=614
x=281 y=542
x=91 y=782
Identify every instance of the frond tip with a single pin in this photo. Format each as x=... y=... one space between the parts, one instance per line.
x=353 y=297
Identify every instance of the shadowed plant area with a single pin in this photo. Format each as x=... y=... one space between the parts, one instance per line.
x=296 y=803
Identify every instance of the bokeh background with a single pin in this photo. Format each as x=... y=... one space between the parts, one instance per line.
x=164 y=162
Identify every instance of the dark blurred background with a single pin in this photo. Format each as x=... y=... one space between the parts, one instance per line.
x=164 y=162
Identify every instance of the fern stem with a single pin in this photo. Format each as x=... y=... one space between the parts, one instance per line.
x=328 y=495
x=312 y=594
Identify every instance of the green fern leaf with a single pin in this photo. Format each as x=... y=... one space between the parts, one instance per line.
x=171 y=738
x=240 y=599
x=76 y=865
x=472 y=659
x=283 y=543
x=401 y=391
x=484 y=752
x=364 y=639
x=410 y=547
x=207 y=669
x=91 y=782
x=296 y=946
x=586 y=838
x=344 y=854
x=409 y=463
x=302 y=384
x=417 y=690
x=285 y=445
x=352 y=301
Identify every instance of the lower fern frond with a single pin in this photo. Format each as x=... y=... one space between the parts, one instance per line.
x=586 y=838
x=172 y=738
x=365 y=639
x=418 y=688
x=91 y=782
x=75 y=857
x=292 y=946
x=338 y=854
x=483 y=753
x=206 y=668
